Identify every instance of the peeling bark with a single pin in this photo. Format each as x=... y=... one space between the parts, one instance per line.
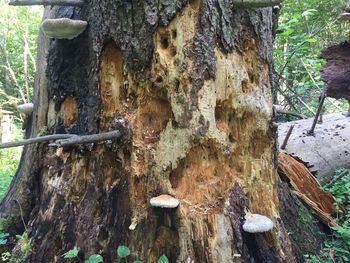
x=193 y=80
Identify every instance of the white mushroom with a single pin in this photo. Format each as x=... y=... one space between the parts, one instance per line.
x=164 y=201
x=26 y=108
x=255 y=223
x=63 y=28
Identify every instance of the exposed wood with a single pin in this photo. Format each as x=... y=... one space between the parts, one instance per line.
x=307 y=188
x=47 y=2
x=326 y=151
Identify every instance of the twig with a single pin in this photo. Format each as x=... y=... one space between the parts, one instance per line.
x=285 y=142
x=86 y=139
x=320 y=106
x=21 y=212
x=47 y=2
x=290 y=113
x=35 y=140
x=340 y=176
x=65 y=139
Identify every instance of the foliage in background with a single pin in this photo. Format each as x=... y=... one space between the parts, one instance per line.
x=9 y=160
x=305 y=29
x=337 y=247
x=19 y=28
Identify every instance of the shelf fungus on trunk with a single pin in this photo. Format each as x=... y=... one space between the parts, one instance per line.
x=26 y=108
x=164 y=201
x=255 y=223
x=63 y=28
x=256 y=3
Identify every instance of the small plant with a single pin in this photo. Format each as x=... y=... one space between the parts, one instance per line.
x=6 y=256
x=96 y=258
x=337 y=248
x=73 y=253
x=123 y=252
x=3 y=238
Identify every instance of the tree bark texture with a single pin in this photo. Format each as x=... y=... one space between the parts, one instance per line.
x=193 y=81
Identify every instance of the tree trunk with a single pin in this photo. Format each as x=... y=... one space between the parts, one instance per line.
x=192 y=79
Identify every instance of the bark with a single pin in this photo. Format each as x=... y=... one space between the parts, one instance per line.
x=324 y=152
x=336 y=71
x=193 y=81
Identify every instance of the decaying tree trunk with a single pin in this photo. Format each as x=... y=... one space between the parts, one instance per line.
x=192 y=79
x=325 y=151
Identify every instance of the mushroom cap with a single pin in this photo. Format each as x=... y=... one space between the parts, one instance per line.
x=63 y=28
x=164 y=201
x=344 y=16
x=26 y=108
x=255 y=223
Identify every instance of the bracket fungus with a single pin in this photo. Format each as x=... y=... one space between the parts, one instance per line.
x=164 y=201
x=255 y=223
x=255 y=3
x=26 y=108
x=63 y=28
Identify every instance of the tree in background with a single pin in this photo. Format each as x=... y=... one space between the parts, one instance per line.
x=305 y=29
x=18 y=46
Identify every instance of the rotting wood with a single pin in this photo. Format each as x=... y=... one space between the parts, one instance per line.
x=307 y=188
x=65 y=139
x=199 y=82
x=326 y=151
x=47 y=2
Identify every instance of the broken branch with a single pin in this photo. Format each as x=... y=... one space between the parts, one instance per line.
x=35 y=140
x=47 y=2
x=320 y=106
x=86 y=139
x=65 y=139
x=285 y=142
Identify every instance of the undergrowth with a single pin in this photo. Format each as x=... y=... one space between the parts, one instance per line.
x=337 y=247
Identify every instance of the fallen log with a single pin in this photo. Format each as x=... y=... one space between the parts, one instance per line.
x=327 y=150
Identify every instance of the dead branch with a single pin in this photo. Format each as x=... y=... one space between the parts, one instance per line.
x=36 y=140
x=65 y=139
x=285 y=142
x=47 y=2
x=86 y=139
x=320 y=106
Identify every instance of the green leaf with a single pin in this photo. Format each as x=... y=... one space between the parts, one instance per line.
x=94 y=259
x=123 y=251
x=73 y=253
x=137 y=261
x=163 y=259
